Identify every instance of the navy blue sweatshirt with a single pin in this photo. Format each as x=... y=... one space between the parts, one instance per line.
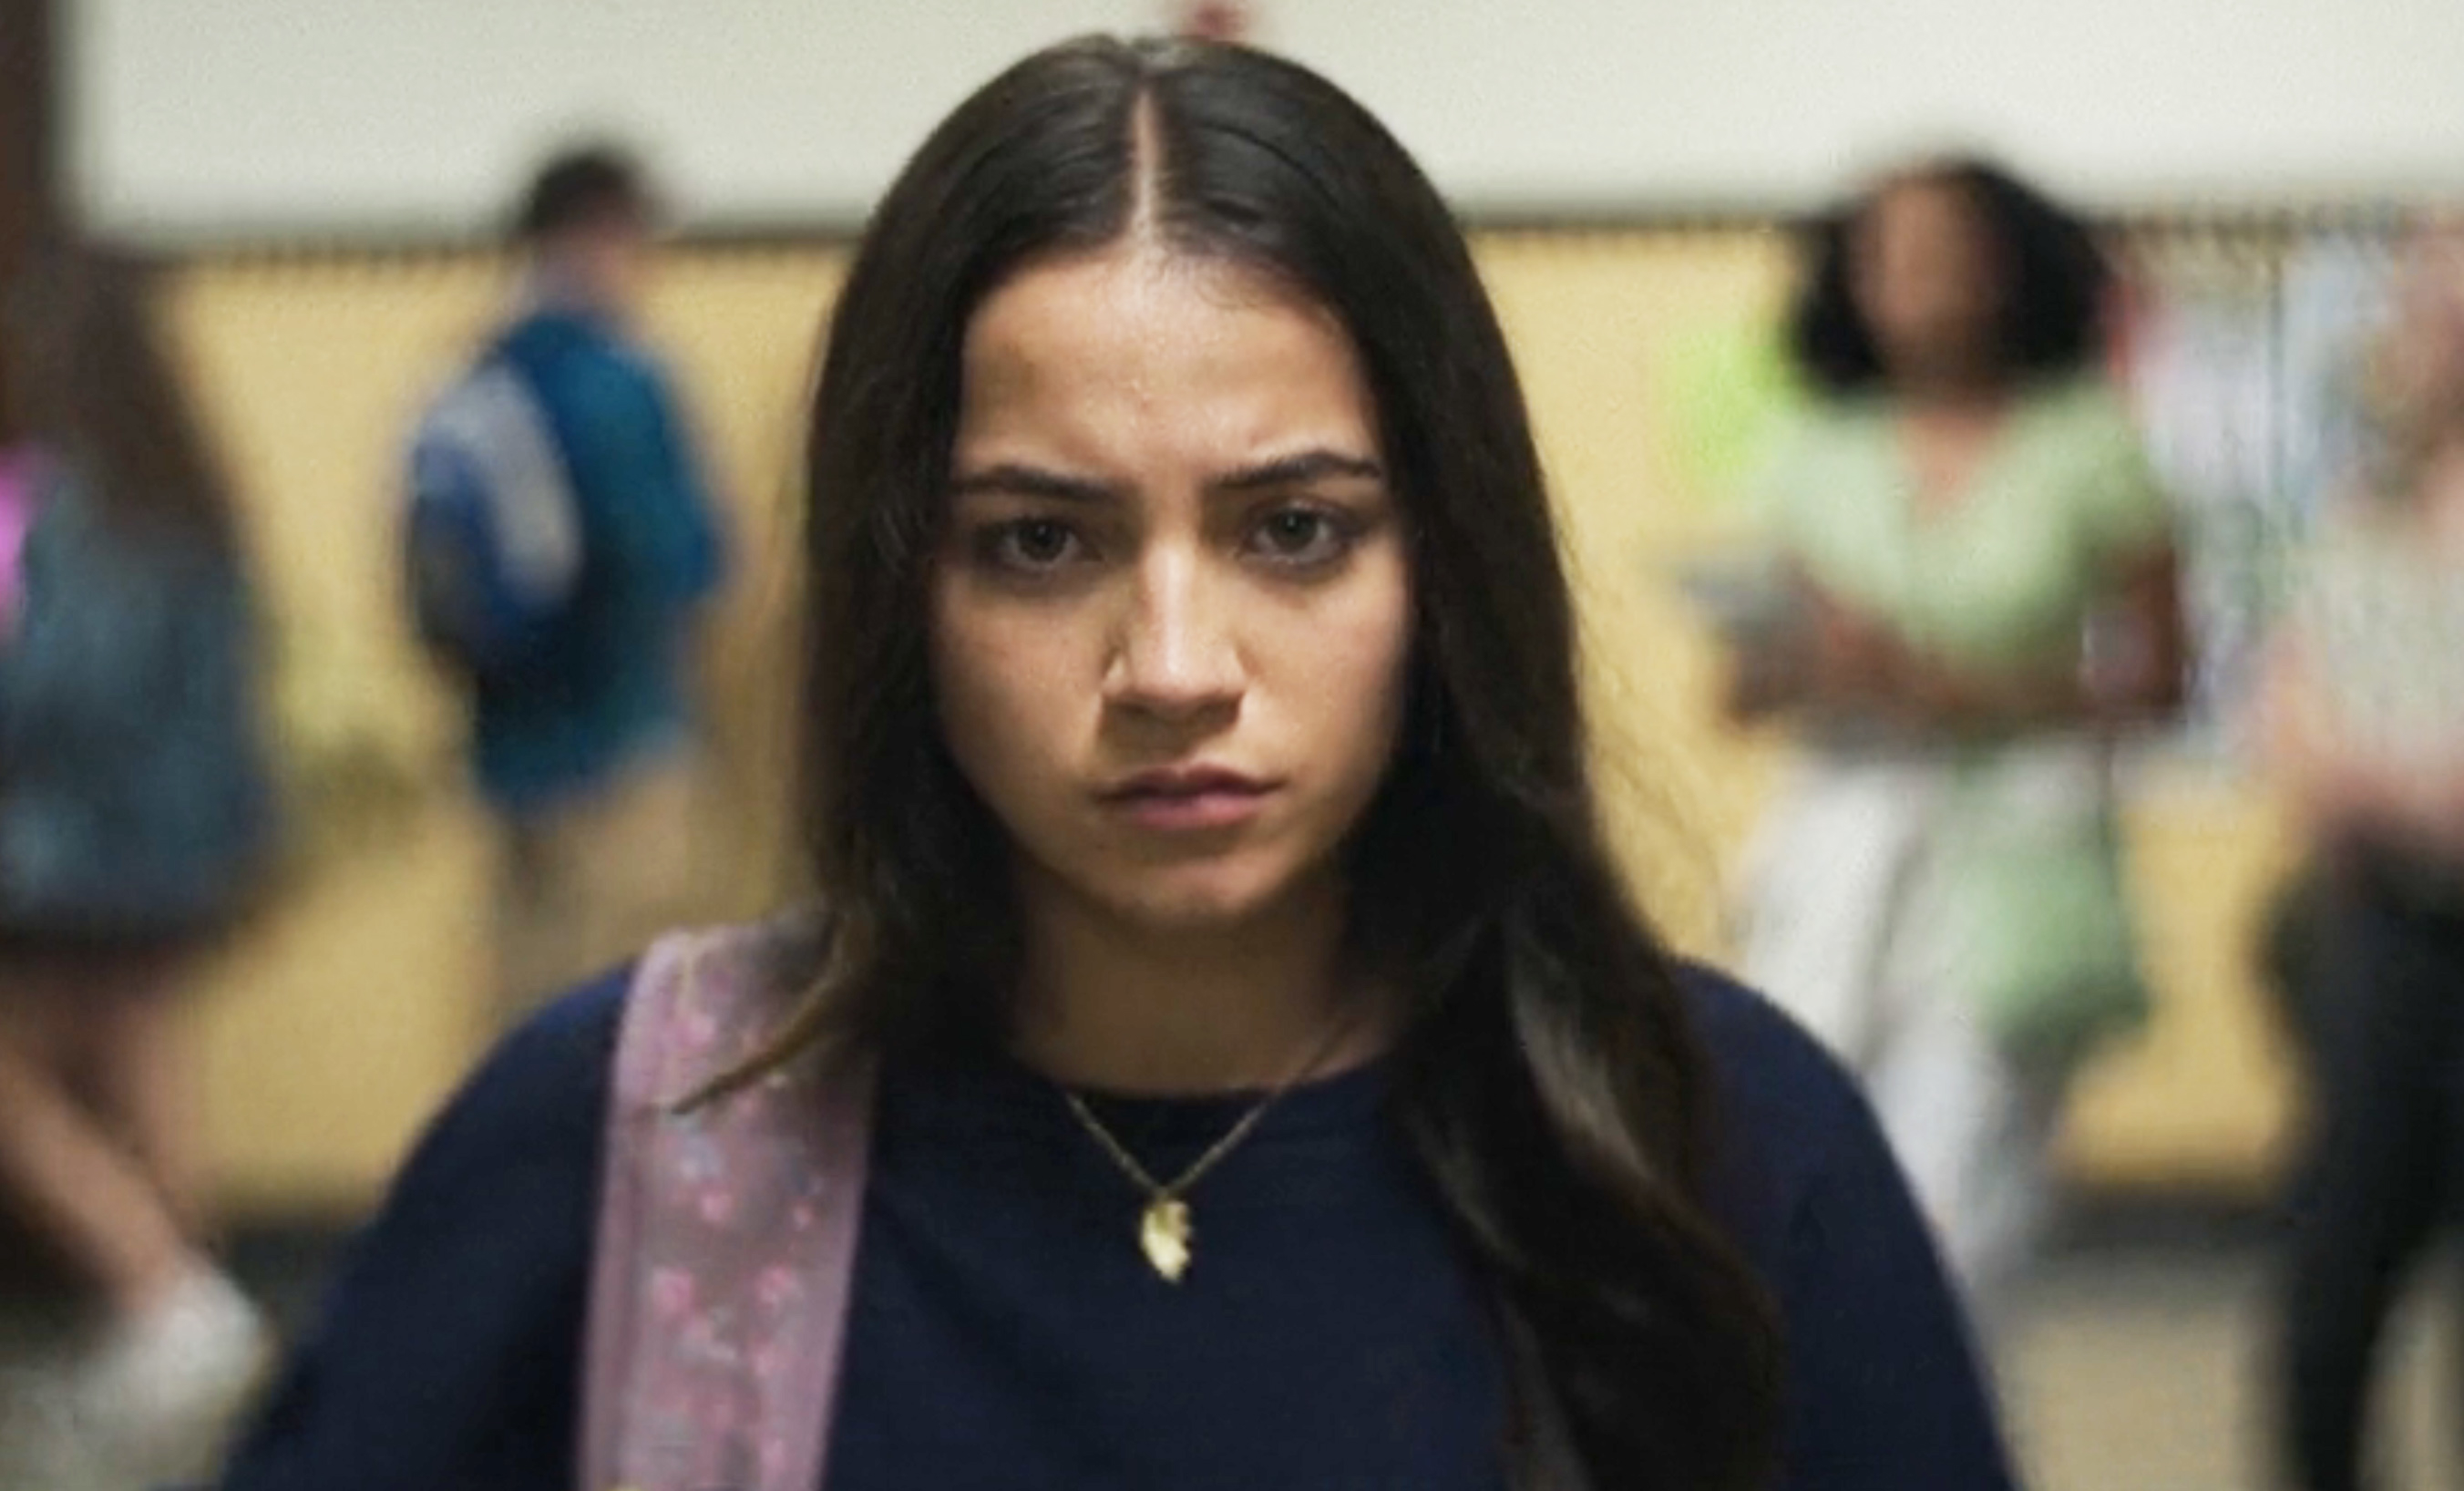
x=1006 y=1331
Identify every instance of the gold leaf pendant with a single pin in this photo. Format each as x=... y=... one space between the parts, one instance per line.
x=1164 y=1233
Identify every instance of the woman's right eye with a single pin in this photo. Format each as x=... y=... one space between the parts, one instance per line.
x=1030 y=545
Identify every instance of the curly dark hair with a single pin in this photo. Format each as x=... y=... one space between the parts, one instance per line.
x=2053 y=317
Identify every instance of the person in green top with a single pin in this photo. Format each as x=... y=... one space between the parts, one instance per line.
x=1981 y=589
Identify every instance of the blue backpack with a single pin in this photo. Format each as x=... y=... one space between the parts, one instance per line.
x=493 y=536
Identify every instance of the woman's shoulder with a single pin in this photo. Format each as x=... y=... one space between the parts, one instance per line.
x=170 y=567
x=1788 y=1114
x=571 y=1034
x=1822 y=446
x=1818 y=424
x=1767 y=1064
x=715 y=992
x=1882 y=1368
x=541 y=1092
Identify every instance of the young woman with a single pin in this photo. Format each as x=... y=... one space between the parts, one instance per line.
x=1985 y=591
x=2365 y=717
x=1266 y=1078
x=136 y=816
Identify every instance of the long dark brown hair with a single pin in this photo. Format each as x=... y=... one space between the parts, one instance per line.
x=90 y=379
x=1549 y=1077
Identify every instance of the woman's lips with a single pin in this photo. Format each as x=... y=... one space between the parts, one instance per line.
x=1188 y=798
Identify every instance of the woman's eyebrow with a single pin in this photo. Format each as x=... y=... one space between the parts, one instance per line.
x=1019 y=479
x=1298 y=470
x=1011 y=478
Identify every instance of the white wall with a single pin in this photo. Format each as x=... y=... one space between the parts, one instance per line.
x=352 y=114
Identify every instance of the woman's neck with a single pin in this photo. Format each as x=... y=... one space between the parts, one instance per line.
x=1962 y=399
x=1120 y=1008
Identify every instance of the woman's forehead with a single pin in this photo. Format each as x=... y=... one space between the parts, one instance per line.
x=1126 y=356
x=1135 y=288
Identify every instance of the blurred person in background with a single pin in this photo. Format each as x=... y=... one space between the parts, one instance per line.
x=562 y=544
x=136 y=824
x=1225 y=1052
x=1981 y=589
x=2363 y=717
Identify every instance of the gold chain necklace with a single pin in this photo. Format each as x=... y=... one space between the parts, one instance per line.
x=1165 y=1232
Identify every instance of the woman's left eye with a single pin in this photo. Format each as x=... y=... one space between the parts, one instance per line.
x=1301 y=536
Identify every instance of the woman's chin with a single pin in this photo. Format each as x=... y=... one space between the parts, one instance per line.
x=1200 y=900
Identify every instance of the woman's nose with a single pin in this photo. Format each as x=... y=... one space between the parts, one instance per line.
x=1174 y=655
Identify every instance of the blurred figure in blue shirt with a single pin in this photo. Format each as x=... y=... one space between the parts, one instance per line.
x=563 y=542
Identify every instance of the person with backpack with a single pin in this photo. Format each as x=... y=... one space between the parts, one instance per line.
x=562 y=541
x=1223 y=1052
x=138 y=829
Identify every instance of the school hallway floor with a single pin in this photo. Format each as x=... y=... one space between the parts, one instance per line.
x=2133 y=1369
x=2149 y=1370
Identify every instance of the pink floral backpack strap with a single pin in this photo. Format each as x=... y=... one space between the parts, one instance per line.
x=726 y=1242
